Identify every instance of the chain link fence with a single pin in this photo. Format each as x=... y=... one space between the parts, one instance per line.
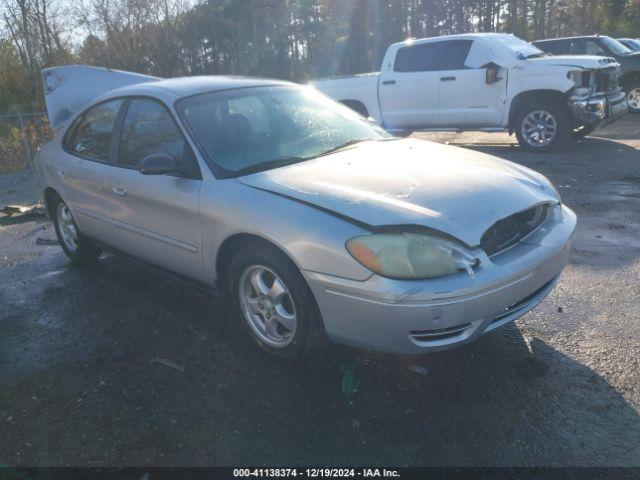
x=21 y=135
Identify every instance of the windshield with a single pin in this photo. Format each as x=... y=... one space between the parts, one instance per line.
x=251 y=129
x=615 y=46
x=518 y=46
x=630 y=43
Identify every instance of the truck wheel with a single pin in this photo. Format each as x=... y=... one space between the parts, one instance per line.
x=77 y=247
x=582 y=131
x=542 y=125
x=633 y=99
x=274 y=303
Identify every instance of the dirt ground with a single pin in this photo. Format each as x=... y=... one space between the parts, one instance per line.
x=117 y=365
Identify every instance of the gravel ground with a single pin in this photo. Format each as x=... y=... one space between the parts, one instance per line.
x=117 y=365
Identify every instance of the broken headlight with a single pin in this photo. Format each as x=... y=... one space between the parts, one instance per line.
x=411 y=255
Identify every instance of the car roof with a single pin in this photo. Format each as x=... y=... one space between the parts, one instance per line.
x=462 y=36
x=187 y=86
x=568 y=38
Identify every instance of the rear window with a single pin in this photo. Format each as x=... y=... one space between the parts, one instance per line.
x=420 y=58
x=557 y=48
x=90 y=136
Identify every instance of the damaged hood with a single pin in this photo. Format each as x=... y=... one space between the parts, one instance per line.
x=411 y=182
x=580 y=61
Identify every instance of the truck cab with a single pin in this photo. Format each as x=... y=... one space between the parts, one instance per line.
x=487 y=82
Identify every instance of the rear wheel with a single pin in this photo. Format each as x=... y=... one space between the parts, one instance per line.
x=582 y=131
x=77 y=247
x=274 y=304
x=633 y=99
x=542 y=125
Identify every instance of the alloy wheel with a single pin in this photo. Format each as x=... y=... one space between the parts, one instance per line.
x=267 y=306
x=67 y=227
x=633 y=98
x=539 y=128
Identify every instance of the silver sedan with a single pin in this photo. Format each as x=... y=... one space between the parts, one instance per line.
x=316 y=223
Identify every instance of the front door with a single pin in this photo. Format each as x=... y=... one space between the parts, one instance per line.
x=408 y=92
x=156 y=215
x=466 y=100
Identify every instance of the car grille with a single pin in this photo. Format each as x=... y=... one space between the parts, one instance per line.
x=512 y=229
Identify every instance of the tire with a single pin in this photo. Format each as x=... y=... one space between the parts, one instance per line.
x=633 y=98
x=307 y=335
x=548 y=112
x=79 y=248
x=582 y=131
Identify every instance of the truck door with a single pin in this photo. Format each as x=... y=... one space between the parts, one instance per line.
x=466 y=99
x=408 y=91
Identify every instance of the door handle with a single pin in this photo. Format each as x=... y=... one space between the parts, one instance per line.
x=447 y=79
x=62 y=173
x=120 y=191
x=389 y=82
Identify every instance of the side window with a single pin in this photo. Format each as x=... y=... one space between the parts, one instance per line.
x=592 y=48
x=149 y=128
x=556 y=48
x=577 y=47
x=420 y=58
x=91 y=136
x=456 y=54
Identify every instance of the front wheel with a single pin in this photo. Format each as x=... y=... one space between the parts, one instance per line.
x=274 y=304
x=633 y=99
x=542 y=125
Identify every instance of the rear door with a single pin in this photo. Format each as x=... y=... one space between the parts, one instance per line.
x=84 y=166
x=156 y=215
x=409 y=91
x=466 y=100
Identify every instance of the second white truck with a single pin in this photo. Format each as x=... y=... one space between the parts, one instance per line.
x=488 y=82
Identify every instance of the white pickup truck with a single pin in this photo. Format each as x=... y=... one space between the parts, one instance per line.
x=488 y=82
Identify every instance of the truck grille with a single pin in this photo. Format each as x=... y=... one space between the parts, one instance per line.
x=606 y=80
x=512 y=229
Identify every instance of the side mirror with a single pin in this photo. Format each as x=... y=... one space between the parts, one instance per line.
x=492 y=75
x=159 y=164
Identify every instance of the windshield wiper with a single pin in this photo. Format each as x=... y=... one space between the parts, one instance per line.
x=352 y=142
x=269 y=164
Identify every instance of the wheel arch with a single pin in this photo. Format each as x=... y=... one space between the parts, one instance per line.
x=629 y=79
x=356 y=106
x=235 y=243
x=524 y=97
x=49 y=195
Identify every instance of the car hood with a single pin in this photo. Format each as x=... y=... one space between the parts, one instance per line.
x=411 y=182
x=580 y=61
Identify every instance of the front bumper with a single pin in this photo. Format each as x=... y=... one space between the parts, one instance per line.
x=418 y=316
x=598 y=109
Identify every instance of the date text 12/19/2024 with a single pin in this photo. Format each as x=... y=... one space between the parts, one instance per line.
x=315 y=472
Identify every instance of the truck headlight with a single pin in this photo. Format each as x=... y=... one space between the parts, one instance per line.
x=411 y=255
x=580 y=92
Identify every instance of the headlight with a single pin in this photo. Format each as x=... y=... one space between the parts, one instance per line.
x=411 y=255
x=580 y=92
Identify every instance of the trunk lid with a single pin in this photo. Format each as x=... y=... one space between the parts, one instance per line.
x=71 y=88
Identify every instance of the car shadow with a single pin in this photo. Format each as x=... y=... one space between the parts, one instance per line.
x=155 y=373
